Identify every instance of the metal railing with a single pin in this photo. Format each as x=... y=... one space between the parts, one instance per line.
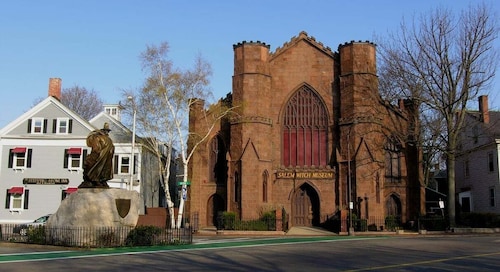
x=96 y=236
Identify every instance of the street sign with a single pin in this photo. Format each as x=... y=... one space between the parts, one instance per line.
x=180 y=183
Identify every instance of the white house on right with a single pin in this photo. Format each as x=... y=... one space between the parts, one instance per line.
x=477 y=177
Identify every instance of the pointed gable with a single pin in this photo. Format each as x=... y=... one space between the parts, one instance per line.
x=119 y=132
x=50 y=113
x=303 y=38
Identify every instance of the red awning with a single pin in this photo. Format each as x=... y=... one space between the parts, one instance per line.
x=19 y=150
x=16 y=190
x=71 y=190
x=75 y=151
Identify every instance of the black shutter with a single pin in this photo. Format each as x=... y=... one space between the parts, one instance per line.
x=115 y=164
x=29 y=125
x=11 y=158
x=70 y=126
x=26 y=198
x=44 y=125
x=7 y=199
x=84 y=156
x=135 y=164
x=28 y=162
x=66 y=156
x=54 y=126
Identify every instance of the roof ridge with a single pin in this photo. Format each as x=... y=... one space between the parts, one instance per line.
x=303 y=36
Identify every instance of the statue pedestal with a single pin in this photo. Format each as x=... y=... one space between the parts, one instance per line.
x=88 y=210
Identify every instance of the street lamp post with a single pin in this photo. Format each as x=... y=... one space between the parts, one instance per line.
x=132 y=161
x=351 y=229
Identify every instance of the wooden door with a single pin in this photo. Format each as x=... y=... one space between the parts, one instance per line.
x=302 y=213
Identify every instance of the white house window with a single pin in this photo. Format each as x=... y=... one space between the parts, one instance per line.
x=475 y=134
x=17 y=199
x=465 y=200
x=124 y=165
x=466 y=168
x=16 y=202
x=18 y=158
x=37 y=126
x=62 y=125
x=491 y=162
x=73 y=158
x=111 y=111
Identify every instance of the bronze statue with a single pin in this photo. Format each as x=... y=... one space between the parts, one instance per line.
x=98 y=166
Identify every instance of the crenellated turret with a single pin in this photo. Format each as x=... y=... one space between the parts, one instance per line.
x=358 y=79
x=358 y=57
x=251 y=57
x=251 y=76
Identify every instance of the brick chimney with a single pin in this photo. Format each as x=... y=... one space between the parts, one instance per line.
x=55 y=88
x=483 y=109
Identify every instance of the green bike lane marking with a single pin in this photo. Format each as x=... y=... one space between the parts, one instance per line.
x=102 y=252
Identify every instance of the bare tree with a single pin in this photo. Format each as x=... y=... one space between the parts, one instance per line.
x=442 y=61
x=82 y=101
x=163 y=106
x=85 y=103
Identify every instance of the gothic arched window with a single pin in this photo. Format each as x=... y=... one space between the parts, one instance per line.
x=305 y=130
x=217 y=161
x=265 y=178
x=392 y=161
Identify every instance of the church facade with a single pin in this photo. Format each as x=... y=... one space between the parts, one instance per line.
x=309 y=135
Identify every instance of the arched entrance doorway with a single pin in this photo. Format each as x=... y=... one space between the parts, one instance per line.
x=215 y=206
x=393 y=206
x=305 y=206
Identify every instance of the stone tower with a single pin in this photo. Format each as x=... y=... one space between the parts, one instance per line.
x=250 y=154
x=309 y=133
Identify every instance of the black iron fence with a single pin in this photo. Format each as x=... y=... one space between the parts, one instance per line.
x=96 y=236
x=433 y=223
x=388 y=223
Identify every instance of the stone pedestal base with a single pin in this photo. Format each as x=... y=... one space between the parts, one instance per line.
x=94 y=210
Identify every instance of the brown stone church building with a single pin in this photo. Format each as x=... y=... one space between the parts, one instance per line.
x=308 y=135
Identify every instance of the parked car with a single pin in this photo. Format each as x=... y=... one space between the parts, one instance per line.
x=23 y=228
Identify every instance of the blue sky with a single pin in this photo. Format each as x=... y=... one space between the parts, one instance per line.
x=96 y=43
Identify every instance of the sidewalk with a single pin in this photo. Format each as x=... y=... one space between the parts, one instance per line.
x=310 y=231
x=294 y=231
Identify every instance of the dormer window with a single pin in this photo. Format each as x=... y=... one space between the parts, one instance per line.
x=114 y=110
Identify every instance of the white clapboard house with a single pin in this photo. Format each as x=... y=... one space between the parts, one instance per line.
x=41 y=158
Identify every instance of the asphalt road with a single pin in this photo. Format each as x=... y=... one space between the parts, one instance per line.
x=393 y=253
